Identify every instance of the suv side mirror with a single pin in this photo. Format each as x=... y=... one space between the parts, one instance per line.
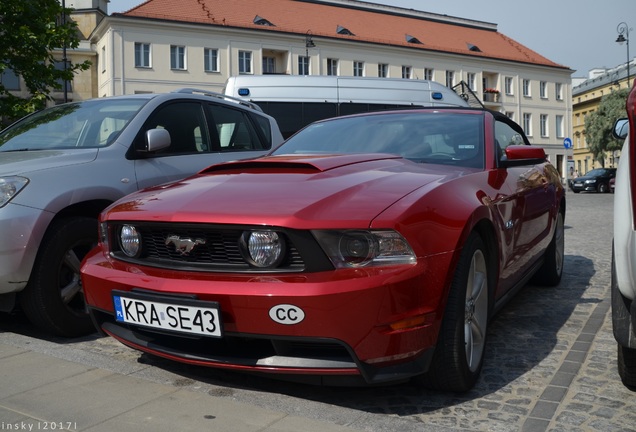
x=620 y=128
x=157 y=139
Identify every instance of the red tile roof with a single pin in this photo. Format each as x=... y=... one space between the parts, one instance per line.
x=367 y=22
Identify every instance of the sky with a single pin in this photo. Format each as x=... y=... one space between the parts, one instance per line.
x=579 y=34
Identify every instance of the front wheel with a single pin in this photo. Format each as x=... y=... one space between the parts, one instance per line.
x=603 y=188
x=552 y=269
x=53 y=299
x=459 y=353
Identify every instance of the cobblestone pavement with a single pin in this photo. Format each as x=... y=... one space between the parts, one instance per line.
x=550 y=362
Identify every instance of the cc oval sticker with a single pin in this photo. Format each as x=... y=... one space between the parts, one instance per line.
x=286 y=314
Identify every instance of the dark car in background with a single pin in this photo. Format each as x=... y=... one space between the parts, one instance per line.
x=597 y=180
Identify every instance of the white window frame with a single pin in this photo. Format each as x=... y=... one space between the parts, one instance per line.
x=471 y=80
x=407 y=72
x=332 y=67
x=450 y=78
x=558 y=123
x=543 y=89
x=558 y=90
x=303 y=65
x=383 y=70
x=178 y=59
x=143 y=55
x=527 y=88
x=429 y=73
x=211 y=60
x=543 y=125
x=527 y=124
x=358 y=68
x=245 y=62
x=509 y=86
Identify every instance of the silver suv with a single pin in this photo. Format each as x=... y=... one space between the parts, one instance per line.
x=60 y=167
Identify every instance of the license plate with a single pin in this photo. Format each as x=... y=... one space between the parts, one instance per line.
x=172 y=314
x=578 y=184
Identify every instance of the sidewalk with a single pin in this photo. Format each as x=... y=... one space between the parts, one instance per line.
x=42 y=392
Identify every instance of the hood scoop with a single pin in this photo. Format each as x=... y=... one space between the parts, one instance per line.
x=305 y=164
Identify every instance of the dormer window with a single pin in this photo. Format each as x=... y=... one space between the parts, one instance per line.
x=412 y=39
x=344 y=31
x=472 y=47
x=258 y=20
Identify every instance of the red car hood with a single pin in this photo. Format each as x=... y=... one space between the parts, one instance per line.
x=301 y=192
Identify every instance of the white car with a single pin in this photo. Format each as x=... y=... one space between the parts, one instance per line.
x=60 y=167
x=624 y=249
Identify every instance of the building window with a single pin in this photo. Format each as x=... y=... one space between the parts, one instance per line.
x=526 y=87
x=543 y=121
x=102 y=59
x=10 y=80
x=142 y=55
x=177 y=57
x=450 y=78
x=406 y=72
x=471 y=79
x=303 y=65
x=245 y=62
x=383 y=70
x=508 y=86
x=559 y=126
x=428 y=74
x=527 y=124
x=543 y=89
x=332 y=66
x=59 y=65
x=269 y=65
x=358 y=68
x=558 y=89
x=510 y=115
x=211 y=59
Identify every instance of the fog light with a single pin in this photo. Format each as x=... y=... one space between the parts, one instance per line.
x=262 y=248
x=130 y=241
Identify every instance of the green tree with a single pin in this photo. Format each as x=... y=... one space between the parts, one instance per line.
x=30 y=32
x=598 y=124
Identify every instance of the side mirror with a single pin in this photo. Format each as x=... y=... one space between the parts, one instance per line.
x=518 y=155
x=621 y=127
x=157 y=139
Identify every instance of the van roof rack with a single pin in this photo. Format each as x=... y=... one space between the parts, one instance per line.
x=219 y=96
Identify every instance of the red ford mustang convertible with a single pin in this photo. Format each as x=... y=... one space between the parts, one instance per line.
x=370 y=248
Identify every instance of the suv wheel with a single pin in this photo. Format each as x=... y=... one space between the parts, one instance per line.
x=53 y=299
x=602 y=188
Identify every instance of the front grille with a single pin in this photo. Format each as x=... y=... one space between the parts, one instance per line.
x=218 y=248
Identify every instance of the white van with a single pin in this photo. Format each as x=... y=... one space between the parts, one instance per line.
x=297 y=100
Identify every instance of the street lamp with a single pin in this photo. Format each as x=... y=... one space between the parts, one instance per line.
x=623 y=28
x=309 y=43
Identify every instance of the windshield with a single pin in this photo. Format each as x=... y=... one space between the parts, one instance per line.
x=598 y=172
x=422 y=136
x=94 y=123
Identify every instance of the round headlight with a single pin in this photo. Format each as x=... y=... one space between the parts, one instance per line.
x=357 y=248
x=263 y=248
x=130 y=241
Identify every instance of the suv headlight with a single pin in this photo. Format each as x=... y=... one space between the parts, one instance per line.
x=353 y=248
x=9 y=187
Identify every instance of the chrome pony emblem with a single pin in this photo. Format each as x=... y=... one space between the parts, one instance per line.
x=183 y=245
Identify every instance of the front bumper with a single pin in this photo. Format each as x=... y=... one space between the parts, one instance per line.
x=345 y=335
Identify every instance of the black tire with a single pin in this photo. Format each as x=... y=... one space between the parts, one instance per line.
x=552 y=269
x=53 y=299
x=603 y=188
x=627 y=365
x=459 y=353
x=575 y=191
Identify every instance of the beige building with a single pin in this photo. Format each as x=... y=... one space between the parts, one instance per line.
x=586 y=97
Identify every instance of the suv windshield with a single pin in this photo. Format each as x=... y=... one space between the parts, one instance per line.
x=94 y=123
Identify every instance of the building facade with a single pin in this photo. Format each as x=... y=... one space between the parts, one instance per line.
x=586 y=99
